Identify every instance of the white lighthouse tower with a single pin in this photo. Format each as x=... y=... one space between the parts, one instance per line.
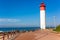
x=42 y=16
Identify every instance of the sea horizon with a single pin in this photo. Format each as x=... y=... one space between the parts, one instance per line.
x=5 y=29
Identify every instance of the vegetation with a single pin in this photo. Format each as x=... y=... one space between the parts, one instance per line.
x=57 y=28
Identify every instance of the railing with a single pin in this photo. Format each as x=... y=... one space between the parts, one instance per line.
x=8 y=35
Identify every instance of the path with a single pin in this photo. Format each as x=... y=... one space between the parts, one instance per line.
x=38 y=35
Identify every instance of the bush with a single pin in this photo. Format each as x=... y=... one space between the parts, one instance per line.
x=57 y=28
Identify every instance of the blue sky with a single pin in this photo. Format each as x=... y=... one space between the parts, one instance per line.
x=26 y=12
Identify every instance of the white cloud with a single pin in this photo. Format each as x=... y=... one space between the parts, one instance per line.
x=9 y=20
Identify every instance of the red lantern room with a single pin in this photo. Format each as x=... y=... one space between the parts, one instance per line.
x=42 y=6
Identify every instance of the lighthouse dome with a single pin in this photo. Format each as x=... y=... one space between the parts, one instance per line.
x=42 y=4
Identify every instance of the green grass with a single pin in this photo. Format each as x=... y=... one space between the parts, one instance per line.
x=57 y=29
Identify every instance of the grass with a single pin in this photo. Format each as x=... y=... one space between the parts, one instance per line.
x=57 y=29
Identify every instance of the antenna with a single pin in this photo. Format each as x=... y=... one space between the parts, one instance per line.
x=54 y=21
x=49 y=22
x=43 y=1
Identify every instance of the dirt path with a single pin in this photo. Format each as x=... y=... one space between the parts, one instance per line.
x=38 y=35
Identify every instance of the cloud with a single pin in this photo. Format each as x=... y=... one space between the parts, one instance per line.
x=13 y=20
x=9 y=20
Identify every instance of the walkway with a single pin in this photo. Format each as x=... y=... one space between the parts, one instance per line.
x=38 y=35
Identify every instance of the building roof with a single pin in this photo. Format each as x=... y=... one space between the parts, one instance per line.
x=42 y=4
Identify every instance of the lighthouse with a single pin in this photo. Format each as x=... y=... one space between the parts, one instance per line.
x=42 y=16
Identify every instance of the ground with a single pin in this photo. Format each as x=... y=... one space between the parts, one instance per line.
x=38 y=35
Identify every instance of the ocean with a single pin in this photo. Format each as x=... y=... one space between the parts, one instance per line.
x=6 y=29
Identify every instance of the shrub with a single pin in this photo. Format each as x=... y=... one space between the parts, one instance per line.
x=57 y=28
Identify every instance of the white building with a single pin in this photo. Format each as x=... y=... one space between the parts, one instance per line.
x=42 y=16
